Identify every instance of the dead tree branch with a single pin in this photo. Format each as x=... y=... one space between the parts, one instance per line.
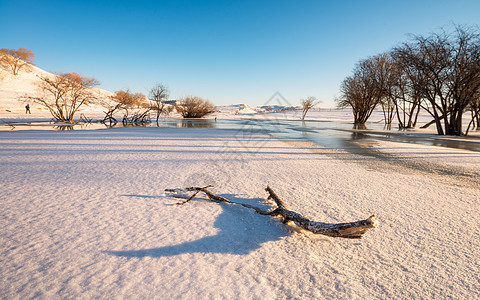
x=352 y=230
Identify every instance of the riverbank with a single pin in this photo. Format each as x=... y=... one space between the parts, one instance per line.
x=84 y=215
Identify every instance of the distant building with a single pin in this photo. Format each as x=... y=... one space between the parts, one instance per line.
x=173 y=102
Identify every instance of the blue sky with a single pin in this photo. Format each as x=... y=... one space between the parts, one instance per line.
x=229 y=52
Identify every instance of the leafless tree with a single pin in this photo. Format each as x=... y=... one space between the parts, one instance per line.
x=446 y=72
x=111 y=107
x=158 y=95
x=169 y=109
x=386 y=80
x=398 y=96
x=195 y=107
x=366 y=88
x=135 y=107
x=136 y=117
x=129 y=99
x=308 y=104
x=475 y=111
x=16 y=59
x=64 y=94
x=353 y=93
x=405 y=95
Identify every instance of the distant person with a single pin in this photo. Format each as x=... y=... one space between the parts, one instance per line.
x=27 y=109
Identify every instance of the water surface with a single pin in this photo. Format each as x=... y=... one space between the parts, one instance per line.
x=330 y=134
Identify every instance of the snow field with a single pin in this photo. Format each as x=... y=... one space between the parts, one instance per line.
x=84 y=215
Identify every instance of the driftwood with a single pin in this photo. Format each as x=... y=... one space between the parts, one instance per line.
x=352 y=230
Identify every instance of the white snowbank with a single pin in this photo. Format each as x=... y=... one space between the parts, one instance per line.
x=83 y=215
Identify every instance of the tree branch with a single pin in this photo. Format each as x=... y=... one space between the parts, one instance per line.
x=351 y=230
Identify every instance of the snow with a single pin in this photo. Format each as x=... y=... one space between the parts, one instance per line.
x=439 y=155
x=83 y=214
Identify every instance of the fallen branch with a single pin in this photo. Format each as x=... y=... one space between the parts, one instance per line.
x=352 y=230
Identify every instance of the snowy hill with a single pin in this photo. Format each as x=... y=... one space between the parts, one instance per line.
x=13 y=88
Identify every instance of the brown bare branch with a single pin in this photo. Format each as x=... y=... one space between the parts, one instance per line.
x=351 y=230
x=16 y=59
x=64 y=94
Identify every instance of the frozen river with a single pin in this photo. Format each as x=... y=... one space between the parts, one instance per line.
x=329 y=134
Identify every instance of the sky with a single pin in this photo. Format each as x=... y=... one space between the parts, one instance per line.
x=229 y=52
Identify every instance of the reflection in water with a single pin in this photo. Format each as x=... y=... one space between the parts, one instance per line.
x=110 y=125
x=78 y=126
x=330 y=134
x=359 y=126
x=133 y=125
x=358 y=136
x=196 y=123
x=338 y=135
x=183 y=123
x=64 y=127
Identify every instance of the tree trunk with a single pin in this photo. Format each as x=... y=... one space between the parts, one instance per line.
x=416 y=117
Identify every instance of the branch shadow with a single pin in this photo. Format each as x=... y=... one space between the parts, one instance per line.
x=143 y=196
x=240 y=231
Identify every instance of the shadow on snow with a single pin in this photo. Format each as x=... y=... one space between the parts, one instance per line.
x=240 y=231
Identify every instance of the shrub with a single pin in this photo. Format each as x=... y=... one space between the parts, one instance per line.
x=16 y=59
x=195 y=107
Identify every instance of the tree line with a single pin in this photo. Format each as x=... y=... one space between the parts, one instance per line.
x=439 y=73
x=63 y=94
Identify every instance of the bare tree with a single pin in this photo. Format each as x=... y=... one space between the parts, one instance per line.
x=195 y=107
x=16 y=59
x=465 y=82
x=446 y=73
x=64 y=94
x=135 y=107
x=386 y=79
x=352 y=95
x=366 y=88
x=308 y=104
x=129 y=99
x=111 y=107
x=405 y=94
x=158 y=95
x=169 y=109
x=475 y=111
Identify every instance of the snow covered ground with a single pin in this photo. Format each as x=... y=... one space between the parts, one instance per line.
x=84 y=215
